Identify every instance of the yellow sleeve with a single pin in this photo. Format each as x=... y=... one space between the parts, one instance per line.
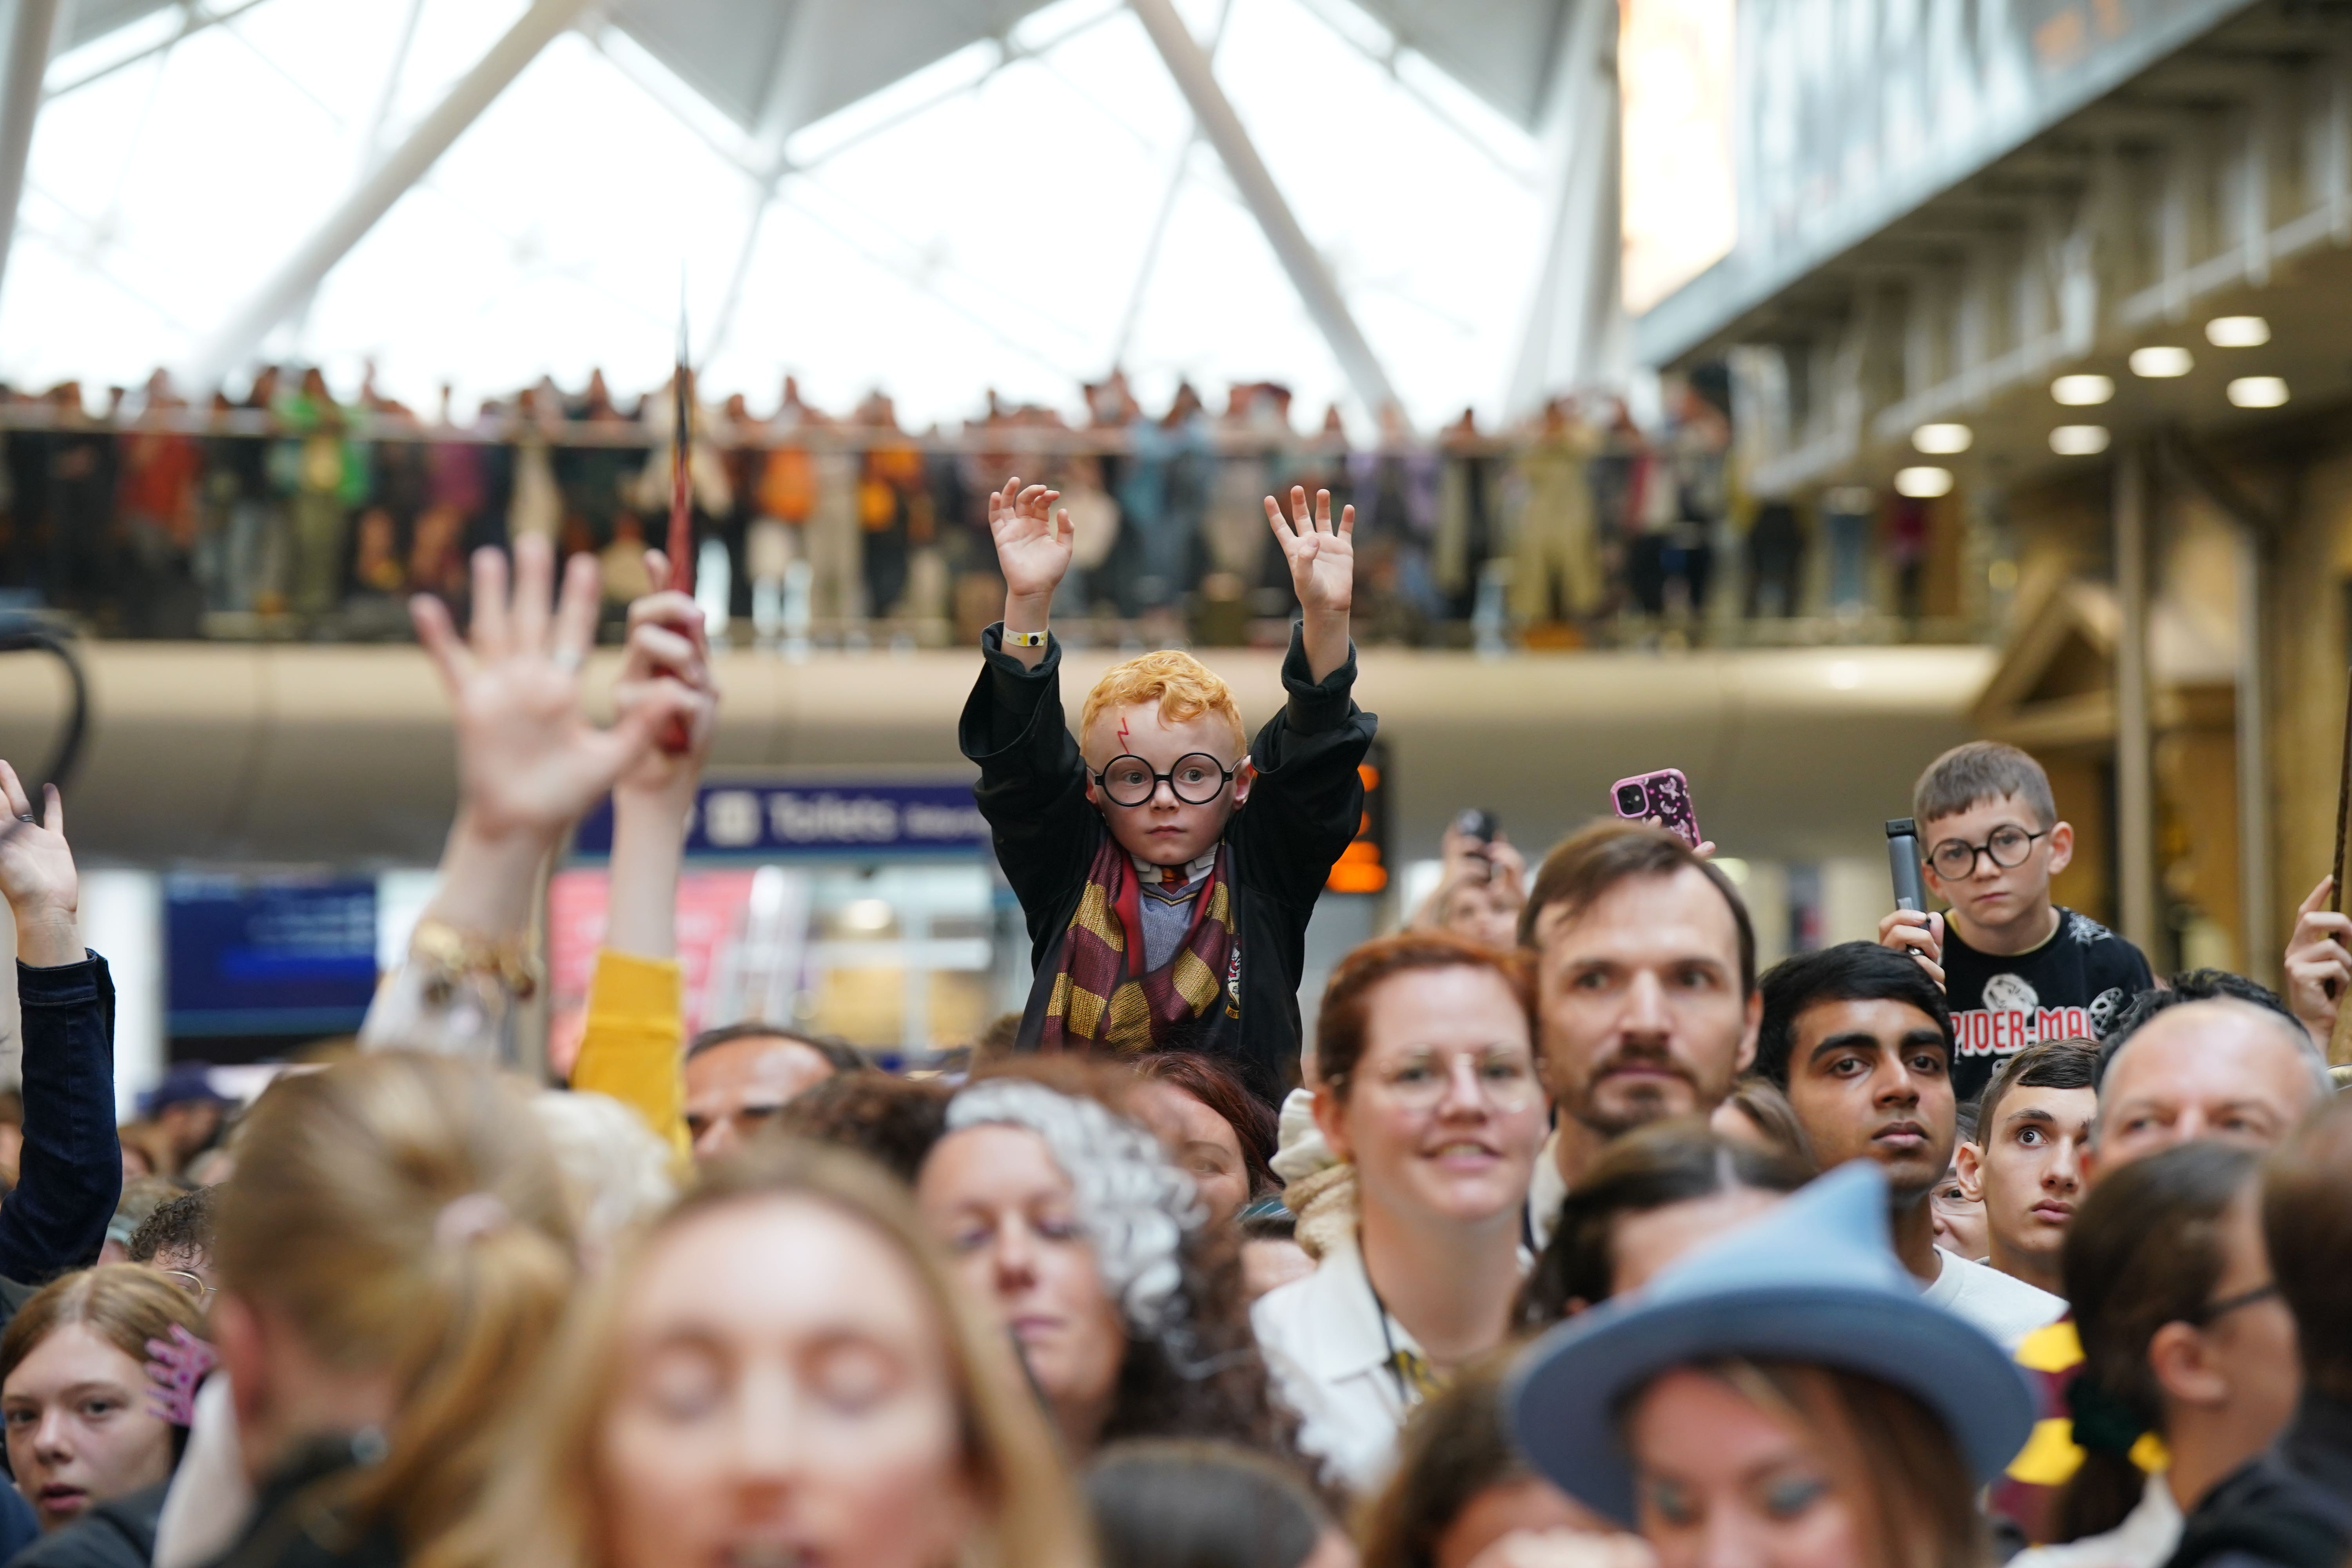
x=632 y=1050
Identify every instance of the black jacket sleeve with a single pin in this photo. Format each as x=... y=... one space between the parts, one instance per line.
x=71 y=1170
x=1308 y=800
x=1032 y=783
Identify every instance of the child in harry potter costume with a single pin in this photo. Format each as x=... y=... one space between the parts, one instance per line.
x=1167 y=873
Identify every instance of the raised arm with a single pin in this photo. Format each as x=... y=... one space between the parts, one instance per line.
x=530 y=764
x=1322 y=571
x=71 y=1168
x=633 y=1046
x=1032 y=551
x=653 y=800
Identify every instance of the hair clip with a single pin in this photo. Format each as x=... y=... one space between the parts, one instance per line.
x=176 y=1368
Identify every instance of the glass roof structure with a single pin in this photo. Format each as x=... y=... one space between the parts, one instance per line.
x=937 y=198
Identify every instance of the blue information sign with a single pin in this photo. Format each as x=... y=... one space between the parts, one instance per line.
x=752 y=819
x=268 y=955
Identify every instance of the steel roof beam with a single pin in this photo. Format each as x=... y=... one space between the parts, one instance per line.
x=374 y=196
x=32 y=31
x=1194 y=78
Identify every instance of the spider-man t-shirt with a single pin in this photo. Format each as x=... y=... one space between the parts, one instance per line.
x=2072 y=986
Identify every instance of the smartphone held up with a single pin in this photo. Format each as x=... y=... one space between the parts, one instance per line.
x=1662 y=799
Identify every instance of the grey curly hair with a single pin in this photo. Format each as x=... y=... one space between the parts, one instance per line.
x=1133 y=1205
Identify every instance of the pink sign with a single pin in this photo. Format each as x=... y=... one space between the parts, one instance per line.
x=711 y=908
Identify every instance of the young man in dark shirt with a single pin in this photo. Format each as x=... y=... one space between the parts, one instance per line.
x=1166 y=873
x=2016 y=969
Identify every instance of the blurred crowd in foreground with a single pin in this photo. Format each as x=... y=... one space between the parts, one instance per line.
x=1565 y=1238
x=303 y=510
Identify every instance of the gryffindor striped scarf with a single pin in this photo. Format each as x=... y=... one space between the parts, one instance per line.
x=1103 y=997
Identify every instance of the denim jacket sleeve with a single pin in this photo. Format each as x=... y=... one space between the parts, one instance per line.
x=70 y=1172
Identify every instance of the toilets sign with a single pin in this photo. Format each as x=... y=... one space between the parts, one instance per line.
x=754 y=820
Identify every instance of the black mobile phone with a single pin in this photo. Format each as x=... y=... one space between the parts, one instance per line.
x=1479 y=825
x=1902 y=861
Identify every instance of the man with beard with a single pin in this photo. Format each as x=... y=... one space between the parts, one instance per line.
x=1645 y=993
x=1859 y=1038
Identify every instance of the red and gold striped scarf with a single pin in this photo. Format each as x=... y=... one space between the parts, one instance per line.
x=1103 y=997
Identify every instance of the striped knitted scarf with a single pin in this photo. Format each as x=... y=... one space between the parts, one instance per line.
x=1102 y=995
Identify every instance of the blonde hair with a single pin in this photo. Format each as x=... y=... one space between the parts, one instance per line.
x=543 y=1510
x=616 y=1168
x=1182 y=686
x=403 y=1213
x=125 y=1304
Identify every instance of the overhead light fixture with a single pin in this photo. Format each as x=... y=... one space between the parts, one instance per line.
x=2237 y=332
x=1942 y=440
x=2079 y=441
x=2258 y=391
x=2082 y=391
x=1923 y=484
x=2162 y=361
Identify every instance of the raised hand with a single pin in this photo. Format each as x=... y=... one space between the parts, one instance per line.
x=529 y=761
x=2318 y=965
x=1322 y=558
x=1918 y=934
x=1033 y=543
x=1322 y=571
x=37 y=876
x=668 y=663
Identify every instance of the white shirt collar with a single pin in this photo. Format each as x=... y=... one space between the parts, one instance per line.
x=1546 y=1193
x=1349 y=1340
x=1194 y=869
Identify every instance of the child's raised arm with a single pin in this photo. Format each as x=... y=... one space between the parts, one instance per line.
x=1032 y=551
x=1322 y=571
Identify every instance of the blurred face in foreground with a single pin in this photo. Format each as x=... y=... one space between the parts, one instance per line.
x=1199 y=1142
x=1640 y=1002
x=1007 y=1215
x=1719 y=1482
x=786 y=1388
x=2223 y=1069
x=78 y=1428
x=1443 y=1114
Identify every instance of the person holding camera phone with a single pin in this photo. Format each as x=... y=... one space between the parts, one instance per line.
x=1483 y=887
x=2015 y=967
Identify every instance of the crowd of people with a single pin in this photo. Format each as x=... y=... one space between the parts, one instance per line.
x=1563 y=1238
x=296 y=509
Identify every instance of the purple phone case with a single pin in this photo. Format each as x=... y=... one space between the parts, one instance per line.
x=1666 y=801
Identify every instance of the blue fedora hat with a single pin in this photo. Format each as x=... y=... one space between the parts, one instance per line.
x=1813 y=1280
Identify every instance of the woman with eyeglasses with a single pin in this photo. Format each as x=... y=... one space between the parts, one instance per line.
x=2189 y=1365
x=1426 y=1083
x=83 y=1428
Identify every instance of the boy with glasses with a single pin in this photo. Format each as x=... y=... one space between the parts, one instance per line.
x=2016 y=969
x=1161 y=913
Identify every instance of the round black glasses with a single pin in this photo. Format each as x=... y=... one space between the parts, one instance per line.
x=1197 y=779
x=1955 y=859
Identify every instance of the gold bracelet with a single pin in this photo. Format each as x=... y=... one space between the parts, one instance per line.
x=449 y=956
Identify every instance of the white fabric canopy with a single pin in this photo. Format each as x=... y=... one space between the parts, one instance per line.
x=981 y=223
